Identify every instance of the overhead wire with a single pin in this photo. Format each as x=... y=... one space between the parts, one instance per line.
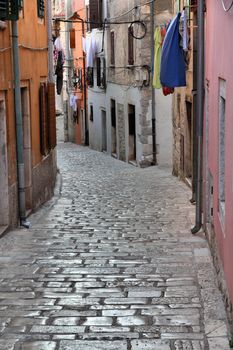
x=132 y=9
x=227 y=8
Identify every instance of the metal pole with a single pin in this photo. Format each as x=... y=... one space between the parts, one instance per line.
x=50 y=42
x=84 y=86
x=153 y=116
x=200 y=114
x=19 y=126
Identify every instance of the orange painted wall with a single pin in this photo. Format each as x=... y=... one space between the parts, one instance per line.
x=79 y=7
x=34 y=68
x=33 y=50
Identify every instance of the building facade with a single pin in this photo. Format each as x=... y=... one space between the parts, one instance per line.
x=120 y=94
x=184 y=101
x=37 y=173
x=218 y=142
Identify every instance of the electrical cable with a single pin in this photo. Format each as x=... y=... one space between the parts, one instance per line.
x=133 y=8
x=132 y=32
x=226 y=8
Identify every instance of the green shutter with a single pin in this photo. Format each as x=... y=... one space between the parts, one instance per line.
x=40 y=8
x=9 y=10
x=3 y=9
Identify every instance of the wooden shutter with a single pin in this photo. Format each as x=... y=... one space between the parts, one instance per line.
x=40 y=8
x=93 y=13
x=112 y=45
x=43 y=120
x=51 y=116
x=98 y=61
x=3 y=9
x=9 y=9
x=103 y=77
x=72 y=38
x=130 y=47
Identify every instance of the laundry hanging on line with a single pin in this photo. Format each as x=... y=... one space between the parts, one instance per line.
x=90 y=49
x=173 y=68
x=59 y=60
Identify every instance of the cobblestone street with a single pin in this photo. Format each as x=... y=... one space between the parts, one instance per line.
x=110 y=264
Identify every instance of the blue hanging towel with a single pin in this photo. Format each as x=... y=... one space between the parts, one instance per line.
x=173 y=69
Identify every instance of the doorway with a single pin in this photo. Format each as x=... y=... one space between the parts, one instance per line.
x=25 y=99
x=4 y=202
x=188 y=142
x=113 y=121
x=104 y=131
x=132 y=133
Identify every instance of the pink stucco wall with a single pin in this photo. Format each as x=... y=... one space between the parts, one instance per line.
x=219 y=64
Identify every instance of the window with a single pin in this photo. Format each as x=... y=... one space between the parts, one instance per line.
x=95 y=14
x=90 y=76
x=98 y=61
x=112 y=46
x=91 y=113
x=9 y=9
x=47 y=117
x=221 y=140
x=41 y=8
x=130 y=47
x=44 y=144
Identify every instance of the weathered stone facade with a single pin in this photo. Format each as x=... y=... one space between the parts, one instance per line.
x=129 y=84
x=184 y=112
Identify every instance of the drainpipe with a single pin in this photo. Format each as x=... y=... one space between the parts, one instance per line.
x=200 y=114
x=153 y=117
x=84 y=84
x=50 y=42
x=19 y=127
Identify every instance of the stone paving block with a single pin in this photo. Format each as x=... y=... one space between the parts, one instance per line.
x=131 y=321
x=95 y=321
x=220 y=343
x=155 y=344
x=38 y=345
x=93 y=345
x=7 y=344
x=66 y=321
x=57 y=329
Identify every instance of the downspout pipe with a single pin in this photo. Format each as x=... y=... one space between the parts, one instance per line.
x=19 y=127
x=50 y=42
x=200 y=113
x=153 y=114
x=84 y=81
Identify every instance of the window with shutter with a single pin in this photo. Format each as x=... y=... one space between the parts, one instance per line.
x=41 y=8
x=51 y=115
x=43 y=120
x=95 y=13
x=72 y=38
x=103 y=76
x=9 y=10
x=112 y=46
x=90 y=76
x=130 y=47
x=98 y=61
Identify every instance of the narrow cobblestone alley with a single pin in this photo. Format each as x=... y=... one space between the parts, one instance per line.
x=110 y=264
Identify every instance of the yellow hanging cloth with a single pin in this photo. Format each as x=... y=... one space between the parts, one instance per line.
x=157 y=58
